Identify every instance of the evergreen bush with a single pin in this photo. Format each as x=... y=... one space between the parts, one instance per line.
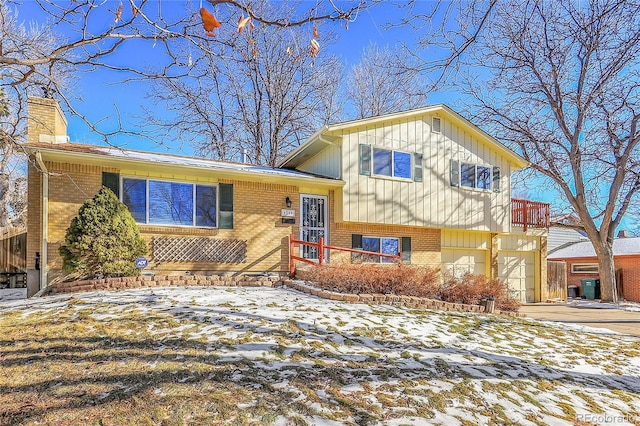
x=103 y=240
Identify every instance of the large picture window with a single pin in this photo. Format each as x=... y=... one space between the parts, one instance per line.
x=157 y=202
x=380 y=245
x=391 y=163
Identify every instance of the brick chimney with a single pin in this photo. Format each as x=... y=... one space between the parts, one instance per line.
x=623 y=233
x=46 y=123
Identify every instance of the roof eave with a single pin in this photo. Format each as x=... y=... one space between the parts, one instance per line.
x=107 y=160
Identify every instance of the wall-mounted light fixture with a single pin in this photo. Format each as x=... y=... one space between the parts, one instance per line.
x=288 y=202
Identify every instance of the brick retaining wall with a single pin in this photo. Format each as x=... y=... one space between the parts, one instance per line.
x=264 y=281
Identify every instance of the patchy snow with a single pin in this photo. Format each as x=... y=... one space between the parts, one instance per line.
x=12 y=294
x=403 y=365
x=596 y=304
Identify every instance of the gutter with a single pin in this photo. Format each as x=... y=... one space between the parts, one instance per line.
x=44 y=221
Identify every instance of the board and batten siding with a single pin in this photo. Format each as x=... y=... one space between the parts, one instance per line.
x=433 y=202
x=326 y=163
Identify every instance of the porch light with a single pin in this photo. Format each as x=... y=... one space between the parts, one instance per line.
x=288 y=202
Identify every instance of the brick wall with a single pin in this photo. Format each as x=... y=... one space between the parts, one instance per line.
x=45 y=118
x=630 y=266
x=630 y=277
x=257 y=219
x=425 y=242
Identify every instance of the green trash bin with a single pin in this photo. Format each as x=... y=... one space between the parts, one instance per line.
x=590 y=288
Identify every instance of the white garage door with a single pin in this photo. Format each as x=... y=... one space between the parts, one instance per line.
x=518 y=269
x=462 y=261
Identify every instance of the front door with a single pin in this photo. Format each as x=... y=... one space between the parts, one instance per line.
x=313 y=223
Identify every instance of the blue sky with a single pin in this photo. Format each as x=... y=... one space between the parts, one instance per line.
x=102 y=92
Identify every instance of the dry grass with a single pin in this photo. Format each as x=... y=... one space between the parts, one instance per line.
x=156 y=359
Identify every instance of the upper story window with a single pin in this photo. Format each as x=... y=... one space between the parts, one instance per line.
x=475 y=176
x=156 y=202
x=392 y=163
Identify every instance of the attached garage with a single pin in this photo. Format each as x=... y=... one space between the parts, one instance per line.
x=462 y=261
x=518 y=270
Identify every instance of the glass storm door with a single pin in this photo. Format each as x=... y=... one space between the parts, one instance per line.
x=313 y=223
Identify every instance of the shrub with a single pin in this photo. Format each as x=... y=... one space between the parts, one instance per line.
x=103 y=240
x=471 y=289
x=420 y=281
x=409 y=280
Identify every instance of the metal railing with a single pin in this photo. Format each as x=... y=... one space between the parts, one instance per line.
x=321 y=246
x=530 y=214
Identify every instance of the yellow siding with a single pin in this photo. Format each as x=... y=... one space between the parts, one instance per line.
x=434 y=202
x=462 y=239
x=326 y=163
x=518 y=242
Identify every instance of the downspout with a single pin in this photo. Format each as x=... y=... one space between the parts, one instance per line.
x=44 y=263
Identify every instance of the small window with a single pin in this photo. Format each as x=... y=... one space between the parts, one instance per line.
x=468 y=175
x=134 y=196
x=381 y=162
x=391 y=163
x=483 y=177
x=584 y=268
x=476 y=176
x=435 y=125
x=380 y=245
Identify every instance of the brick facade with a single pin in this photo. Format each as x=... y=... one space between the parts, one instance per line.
x=257 y=220
x=629 y=266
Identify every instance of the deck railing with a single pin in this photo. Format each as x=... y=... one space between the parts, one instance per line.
x=321 y=246
x=530 y=214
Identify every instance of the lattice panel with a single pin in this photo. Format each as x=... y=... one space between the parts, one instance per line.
x=179 y=249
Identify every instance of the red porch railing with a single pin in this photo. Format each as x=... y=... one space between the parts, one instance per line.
x=321 y=246
x=530 y=214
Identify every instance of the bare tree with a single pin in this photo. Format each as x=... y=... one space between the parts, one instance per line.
x=35 y=56
x=382 y=83
x=559 y=82
x=262 y=97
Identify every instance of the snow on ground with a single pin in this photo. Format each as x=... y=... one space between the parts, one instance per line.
x=596 y=304
x=12 y=294
x=399 y=365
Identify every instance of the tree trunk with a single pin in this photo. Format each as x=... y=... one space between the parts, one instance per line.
x=607 y=272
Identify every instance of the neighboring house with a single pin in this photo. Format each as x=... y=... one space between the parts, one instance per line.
x=582 y=263
x=564 y=230
x=425 y=183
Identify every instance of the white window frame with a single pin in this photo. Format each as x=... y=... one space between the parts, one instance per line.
x=381 y=259
x=591 y=268
x=475 y=176
x=392 y=165
x=193 y=189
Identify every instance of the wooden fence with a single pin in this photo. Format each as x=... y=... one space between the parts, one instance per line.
x=556 y=280
x=13 y=257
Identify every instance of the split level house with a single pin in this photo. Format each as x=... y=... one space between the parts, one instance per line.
x=425 y=183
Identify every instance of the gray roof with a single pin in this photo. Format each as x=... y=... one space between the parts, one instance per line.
x=170 y=159
x=621 y=247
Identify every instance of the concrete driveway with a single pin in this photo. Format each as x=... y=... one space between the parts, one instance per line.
x=612 y=319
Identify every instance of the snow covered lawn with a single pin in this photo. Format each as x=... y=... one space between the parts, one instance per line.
x=168 y=356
